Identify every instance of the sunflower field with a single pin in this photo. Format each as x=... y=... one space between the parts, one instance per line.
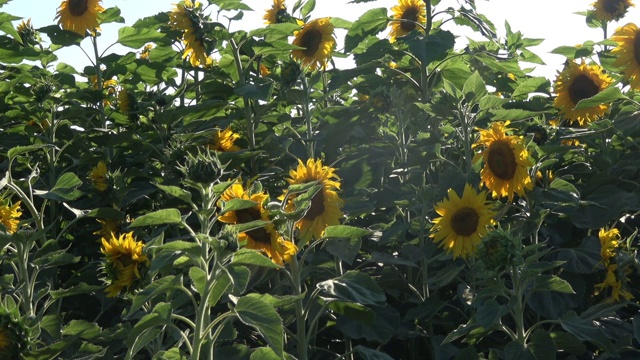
x=214 y=193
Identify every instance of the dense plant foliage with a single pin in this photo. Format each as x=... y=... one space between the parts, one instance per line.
x=234 y=195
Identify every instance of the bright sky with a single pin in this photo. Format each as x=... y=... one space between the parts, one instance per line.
x=552 y=20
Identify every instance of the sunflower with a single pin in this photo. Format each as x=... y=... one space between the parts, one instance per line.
x=406 y=14
x=146 y=50
x=505 y=161
x=99 y=176
x=276 y=14
x=610 y=10
x=124 y=261
x=325 y=204
x=109 y=227
x=628 y=52
x=577 y=82
x=223 y=140
x=9 y=216
x=462 y=222
x=79 y=15
x=27 y=33
x=266 y=238
x=614 y=280
x=185 y=17
x=609 y=242
x=316 y=37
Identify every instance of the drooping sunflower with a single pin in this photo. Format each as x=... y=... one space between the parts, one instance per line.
x=10 y=216
x=79 y=15
x=628 y=53
x=577 y=82
x=185 y=17
x=316 y=37
x=406 y=14
x=325 y=208
x=99 y=176
x=505 y=161
x=124 y=263
x=276 y=14
x=223 y=140
x=609 y=242
x=462 y=222
x=615 y=279
x=610 y=10
x=265 y=238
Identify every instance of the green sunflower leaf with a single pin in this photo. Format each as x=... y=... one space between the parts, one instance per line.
x=136 y=37
x=370 y=23
x=345 y=231
x=353 y=286
x=252 y=257
x=263 y=317
x=160 y=217
x=603 y=97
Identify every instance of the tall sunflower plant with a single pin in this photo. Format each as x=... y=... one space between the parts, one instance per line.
x=216 y=192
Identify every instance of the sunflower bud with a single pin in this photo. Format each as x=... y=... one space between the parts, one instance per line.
x=43 y=88
x=540 y=134
x=499 y=250
x=204 y=168
x=290 y=73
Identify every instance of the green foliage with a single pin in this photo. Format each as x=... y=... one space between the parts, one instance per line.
x=207 y=234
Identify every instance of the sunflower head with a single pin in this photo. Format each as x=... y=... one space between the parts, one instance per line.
x=79 y=15
x=539 y=132
x=127 y=104
x=406 y=14
x=224 y=140
x=463 y=222
x=506 y=161
x=611 y=10
x=577 y=82
x=615 y=284
x=628 y=53
x=277 y=14
x=189 y=19
x=146 y=50
x=28 y=34
x=125 y=262
x=317 y=42
x=262 y=235
x=99 y=176
x=10 y=216
x=609 y=242
x=322 y=202
x=108 y=228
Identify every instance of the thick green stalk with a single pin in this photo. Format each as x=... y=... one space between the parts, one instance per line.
x=301 y=335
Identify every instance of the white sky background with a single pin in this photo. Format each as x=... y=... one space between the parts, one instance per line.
x=552 y=20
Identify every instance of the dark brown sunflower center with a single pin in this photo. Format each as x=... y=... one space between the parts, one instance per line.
x=501 y=160
x=317 y=206
x=613 y=6
x=410 y=13
x=582 y=88
x=465 y=221
x=636 y=47
x=252 y=214
x=311 y=41
x=78 y=7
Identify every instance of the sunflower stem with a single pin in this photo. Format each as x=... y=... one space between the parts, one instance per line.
x=94 y=42
x=307 y=117
x=301 y=333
